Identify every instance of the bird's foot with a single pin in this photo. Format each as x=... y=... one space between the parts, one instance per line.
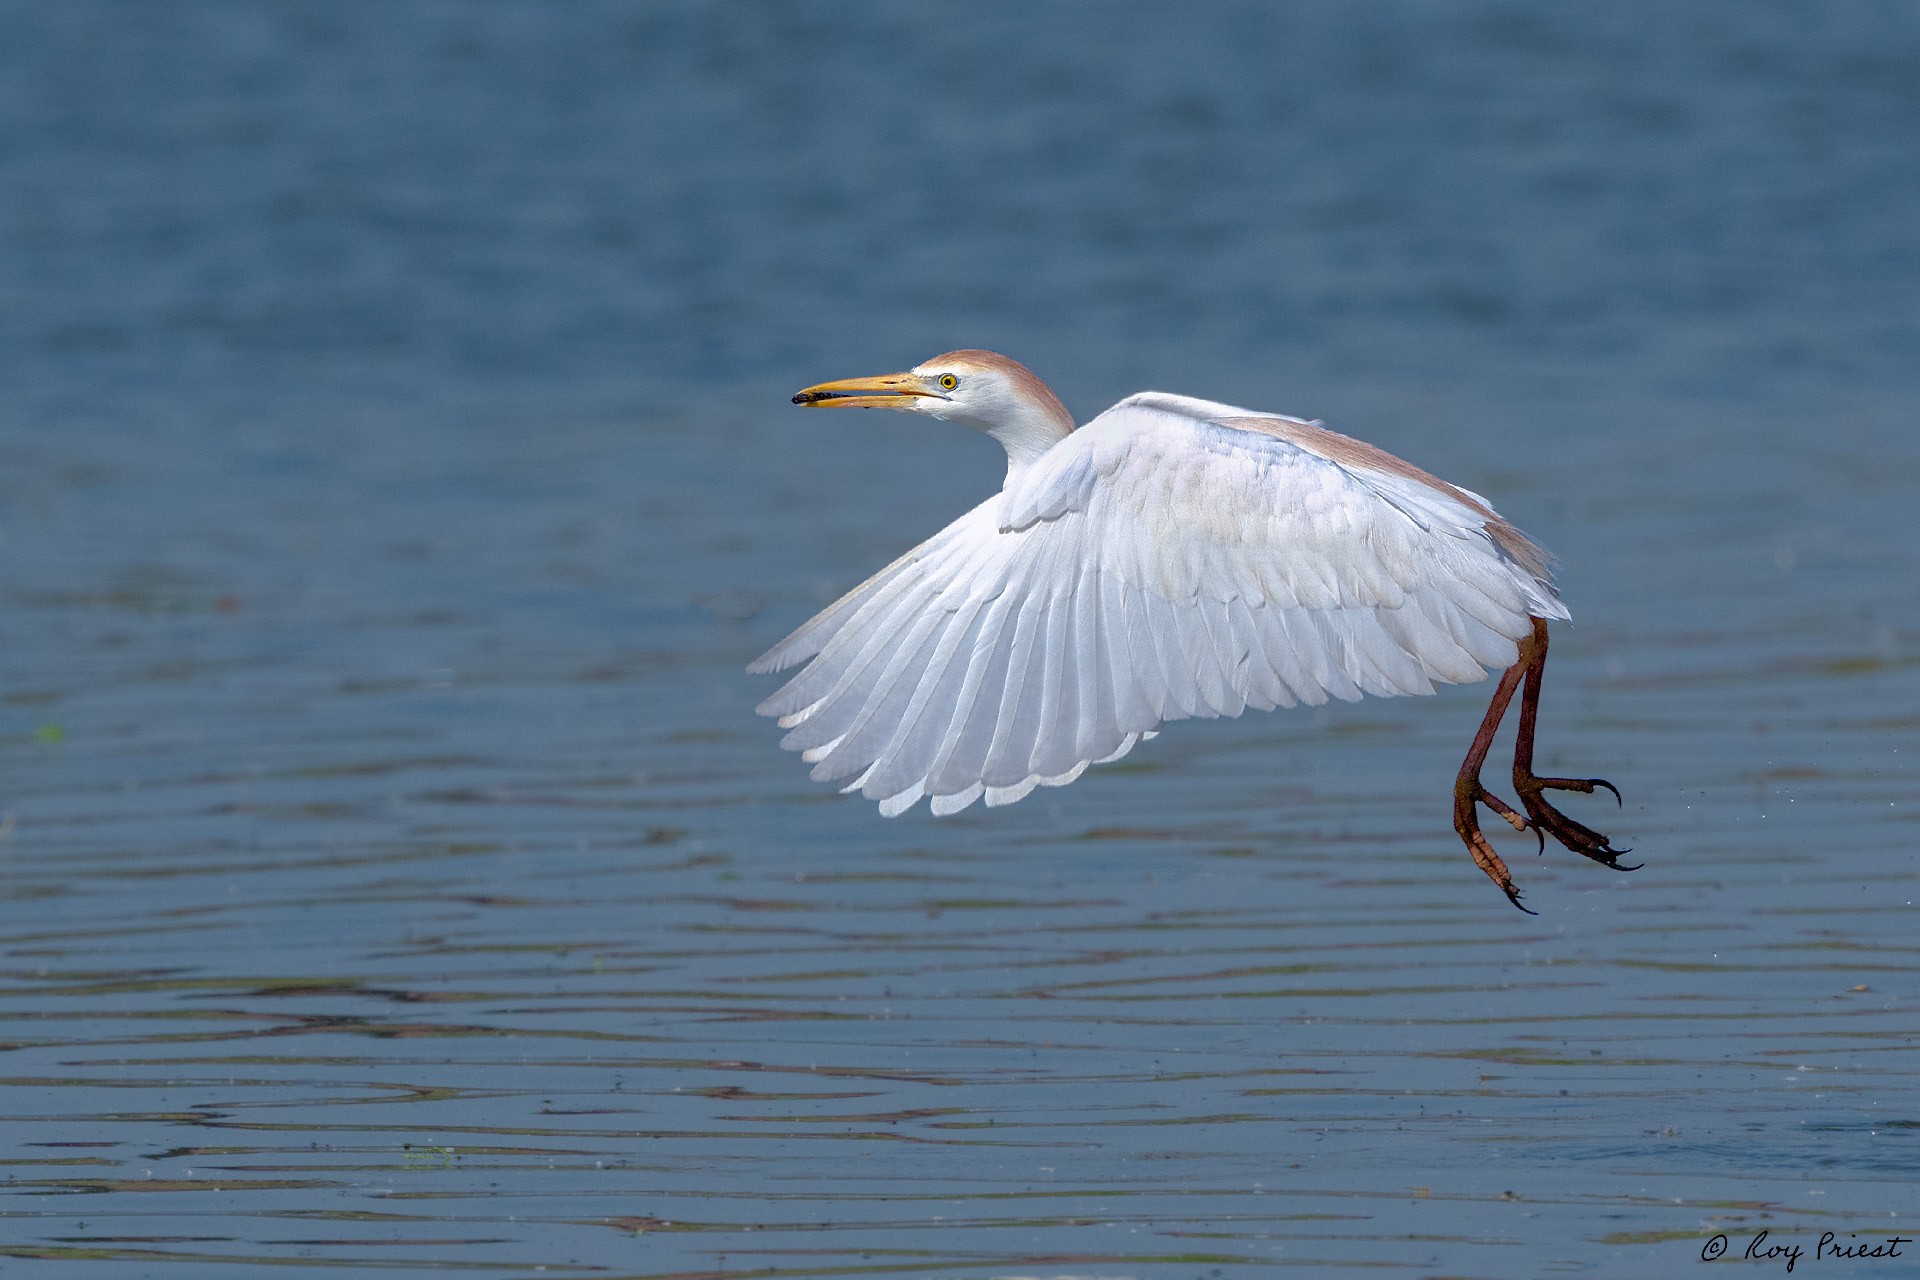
x=1543 y=817
x=1468 y=795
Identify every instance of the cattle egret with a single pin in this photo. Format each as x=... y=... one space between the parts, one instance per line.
x=1173 y=558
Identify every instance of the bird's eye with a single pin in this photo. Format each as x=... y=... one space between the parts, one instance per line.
x=948 y=381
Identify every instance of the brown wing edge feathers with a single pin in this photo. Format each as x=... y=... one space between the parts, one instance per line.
x=1361 y=456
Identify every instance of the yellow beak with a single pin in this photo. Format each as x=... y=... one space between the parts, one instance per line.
x=894 y=391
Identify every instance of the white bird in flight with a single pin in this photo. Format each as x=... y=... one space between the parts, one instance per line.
x=1173 y=558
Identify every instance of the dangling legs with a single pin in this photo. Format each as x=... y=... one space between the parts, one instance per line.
x=1468 y=794
x=1581 y=839
x=1542 y=817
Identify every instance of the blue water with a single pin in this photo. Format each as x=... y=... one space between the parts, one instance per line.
x=396 y=473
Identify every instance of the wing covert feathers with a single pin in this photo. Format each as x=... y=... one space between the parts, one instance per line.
x=1172 y=559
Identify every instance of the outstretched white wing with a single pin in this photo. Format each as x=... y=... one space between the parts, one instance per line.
x=1172 y=558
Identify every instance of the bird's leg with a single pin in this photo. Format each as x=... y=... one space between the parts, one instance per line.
x=1581 y=839
x=1468 y=794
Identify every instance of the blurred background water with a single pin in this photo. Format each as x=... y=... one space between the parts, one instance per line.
x=396 y=473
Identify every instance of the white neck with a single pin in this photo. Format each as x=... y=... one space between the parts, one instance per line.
x=1026 y=424
x=1027 y=436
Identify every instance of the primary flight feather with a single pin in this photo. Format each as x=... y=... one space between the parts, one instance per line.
x=1173 y=558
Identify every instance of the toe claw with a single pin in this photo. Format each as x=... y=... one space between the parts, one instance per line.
x=1549 y=821
x=1467 y=797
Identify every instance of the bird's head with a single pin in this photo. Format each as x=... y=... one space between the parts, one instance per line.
x=982 y=389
